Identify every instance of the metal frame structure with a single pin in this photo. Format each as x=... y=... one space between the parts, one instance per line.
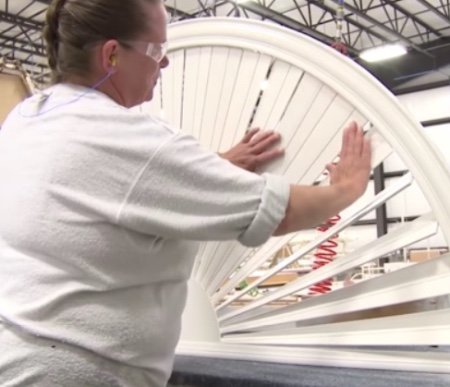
x=422 y=26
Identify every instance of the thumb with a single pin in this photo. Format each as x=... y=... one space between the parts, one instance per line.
x=330 y=167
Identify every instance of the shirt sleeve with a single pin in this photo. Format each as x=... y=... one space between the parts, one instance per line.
x=187 y=192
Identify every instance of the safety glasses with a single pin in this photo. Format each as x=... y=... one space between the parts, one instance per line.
x=156 y=51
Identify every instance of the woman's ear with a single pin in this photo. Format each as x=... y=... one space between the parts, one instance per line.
x=109 y=59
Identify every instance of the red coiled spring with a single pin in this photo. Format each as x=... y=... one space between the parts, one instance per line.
x=324 y=255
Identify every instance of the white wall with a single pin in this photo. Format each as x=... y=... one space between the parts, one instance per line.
x=429 y=104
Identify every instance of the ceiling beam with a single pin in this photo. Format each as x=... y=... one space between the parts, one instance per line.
x=435 y=11
x=20 y=20
x=283 y=20
x=387 y=30
x=414 y=18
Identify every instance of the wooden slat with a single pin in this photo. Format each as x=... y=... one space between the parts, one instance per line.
x=282 y=82
x=215 y=85
x=399 y=287
x=319 y=135
x=427 y=328
x=202 y=86
x=172 y=82
x=230 y=87
x=191 y=74
x=252 y=71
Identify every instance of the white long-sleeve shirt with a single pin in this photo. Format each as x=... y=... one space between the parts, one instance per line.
x=101 y=212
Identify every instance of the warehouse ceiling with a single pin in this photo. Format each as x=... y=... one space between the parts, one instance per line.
x=423 y=26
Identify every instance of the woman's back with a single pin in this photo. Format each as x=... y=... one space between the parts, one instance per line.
x=72 y=270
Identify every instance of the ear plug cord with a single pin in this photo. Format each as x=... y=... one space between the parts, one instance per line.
x=44 y=98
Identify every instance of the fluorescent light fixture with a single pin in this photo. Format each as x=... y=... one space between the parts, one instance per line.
x=378 y=54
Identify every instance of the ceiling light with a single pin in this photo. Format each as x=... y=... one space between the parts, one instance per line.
x=378 y=54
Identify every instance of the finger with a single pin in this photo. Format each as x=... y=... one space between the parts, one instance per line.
x=262 y=136
x=367 y=153
x=265 y=142
x=268 y=156
x=344 y=147
x=352 y=140
x=358 y=141
x=249 y=135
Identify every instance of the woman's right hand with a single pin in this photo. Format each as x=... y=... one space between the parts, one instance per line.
x=350 y=175
x=312 y=205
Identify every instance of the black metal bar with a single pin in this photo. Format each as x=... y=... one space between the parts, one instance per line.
x=19 y=20
x=439 y=121
x=39 y=48
x=391 y=220
x=262 y=11
x=426 y=86
x=409 y=15
x=381 y=212
x=321 y=4
x=382 y=27
x=389 y=175
x=24 y=8
x=13 y=47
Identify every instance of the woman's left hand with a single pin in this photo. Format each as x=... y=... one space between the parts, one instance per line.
x=255 y=150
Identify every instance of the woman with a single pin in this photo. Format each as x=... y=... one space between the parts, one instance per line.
x=102 y=208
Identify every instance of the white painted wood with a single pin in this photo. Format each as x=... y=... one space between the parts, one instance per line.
x=204 y=68
x=177 y=65
x=326 y=127
x=427 y=328
x=323 y=101
x=230 y=258
x=361 y=208
x=215 y=261
x=281 y=84
x=405 y=285
x=339 y=91
x=252 y=71
x=207 y=253
x=199 y=304
x=380 y=150
x=231 y=87
x=212 y=97
x=344 y=77
x=399 y=238
x=167 y=83
x=253 y=264
x=301 y=103
x=191 y=73
x=327 y=151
